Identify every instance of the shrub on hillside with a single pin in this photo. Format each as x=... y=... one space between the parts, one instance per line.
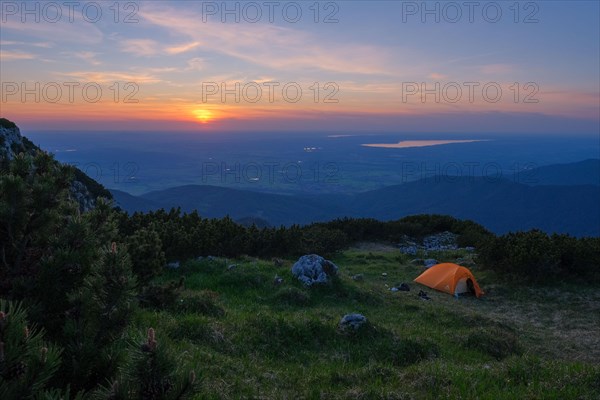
x=161 y=297
x=28 y=364
x=152 y=372
x=530 y=254
x=71 y=276
x=147 y=256
x=536 y=256
x=318 y=240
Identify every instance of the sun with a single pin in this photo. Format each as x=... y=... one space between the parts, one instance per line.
x=204 y=116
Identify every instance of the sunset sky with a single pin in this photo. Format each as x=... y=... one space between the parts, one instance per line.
x=174 y=58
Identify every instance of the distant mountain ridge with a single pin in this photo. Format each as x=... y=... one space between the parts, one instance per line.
x=586 y=172
x=499 y=205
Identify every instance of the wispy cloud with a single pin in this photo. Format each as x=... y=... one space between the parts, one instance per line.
x=87 y=56
x=149 y=47
x=437 y=76
x=196 y=64
x=141 y=47
x=46 y=45
x=182 y=48
x=7 y=55
x=61 y=32
x=269 y=45
x=111 y=76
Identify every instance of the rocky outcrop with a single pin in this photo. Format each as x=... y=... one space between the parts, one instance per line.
x=11 y=141
x=84 y=190
x=83 y=197
x=314 y=269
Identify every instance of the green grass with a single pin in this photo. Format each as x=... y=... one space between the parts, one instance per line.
x=249 y=338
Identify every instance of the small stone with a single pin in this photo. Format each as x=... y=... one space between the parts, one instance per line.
x=352 y=322
x=358 y=277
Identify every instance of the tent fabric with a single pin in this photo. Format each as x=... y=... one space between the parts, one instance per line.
x=449 y=278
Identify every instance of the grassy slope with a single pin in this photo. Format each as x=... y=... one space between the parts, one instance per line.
x=251 y=339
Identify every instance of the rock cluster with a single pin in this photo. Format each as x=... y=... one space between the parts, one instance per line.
x=441 y=241
x=438 y=242
x=313 y=269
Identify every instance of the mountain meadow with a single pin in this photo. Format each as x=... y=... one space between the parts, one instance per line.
x=99 y=303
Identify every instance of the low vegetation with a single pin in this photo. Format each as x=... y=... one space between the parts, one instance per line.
x=90 y=310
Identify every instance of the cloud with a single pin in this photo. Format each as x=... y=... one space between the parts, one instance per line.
x=141 y=47
x=196 y=64
x=111 y=76
x=161 y=70
x=182 y=48
x=46 y=45
x=87 y=56
x=149 y=47
x=6 y=55
x=437 y=76
x=269 y=45
x=64 y=32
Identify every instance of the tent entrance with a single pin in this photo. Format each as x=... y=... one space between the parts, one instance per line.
x=464 y=285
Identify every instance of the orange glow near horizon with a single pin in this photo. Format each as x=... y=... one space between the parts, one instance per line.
x=357 y=111
x=204 y=116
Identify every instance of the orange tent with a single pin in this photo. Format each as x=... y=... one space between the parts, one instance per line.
x=450 y=278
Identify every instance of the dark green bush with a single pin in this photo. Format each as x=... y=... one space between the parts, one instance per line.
x=161 y=296
x=536 y=256
x=147 y=256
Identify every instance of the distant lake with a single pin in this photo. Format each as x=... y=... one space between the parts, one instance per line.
x=404 y=144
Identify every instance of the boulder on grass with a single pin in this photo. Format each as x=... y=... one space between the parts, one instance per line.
x=314 y=269
x=352 y=322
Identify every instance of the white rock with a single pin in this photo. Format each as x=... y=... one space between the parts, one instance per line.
x=312 y=268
